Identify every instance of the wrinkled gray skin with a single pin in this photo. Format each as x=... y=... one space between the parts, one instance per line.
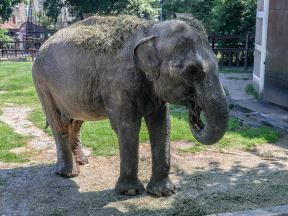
x=168 y=63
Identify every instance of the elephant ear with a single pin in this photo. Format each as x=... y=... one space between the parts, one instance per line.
x=145 y=57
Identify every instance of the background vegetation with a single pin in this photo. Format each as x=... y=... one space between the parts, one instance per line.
x=226 y=17
x=222 y=17
x=6 y=9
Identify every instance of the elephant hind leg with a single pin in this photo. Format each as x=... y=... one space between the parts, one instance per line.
x=66 y=165
x=75 y=141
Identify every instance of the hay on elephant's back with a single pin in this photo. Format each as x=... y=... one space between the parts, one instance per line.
x=195 y=24
x=103 y=34
x=108 y=34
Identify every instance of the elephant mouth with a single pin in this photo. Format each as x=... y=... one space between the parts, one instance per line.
x=194 y=117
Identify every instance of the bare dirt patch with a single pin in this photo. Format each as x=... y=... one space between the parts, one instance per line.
x=209 y=182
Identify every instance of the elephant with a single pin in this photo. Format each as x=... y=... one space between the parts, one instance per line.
x=157 y=64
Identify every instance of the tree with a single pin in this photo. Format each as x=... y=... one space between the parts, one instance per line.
x=4 y=36
x=234 y=16
x=53 y=9
x=218 y=16
x=82 y=9
x=6 y=9
x=200 y=9
x=143 y=8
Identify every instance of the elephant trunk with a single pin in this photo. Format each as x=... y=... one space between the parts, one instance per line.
x=210 y=100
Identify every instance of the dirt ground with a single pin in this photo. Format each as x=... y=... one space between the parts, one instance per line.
x=208 y=182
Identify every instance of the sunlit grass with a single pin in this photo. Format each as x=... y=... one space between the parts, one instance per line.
x=10 y=140
x=16 y=82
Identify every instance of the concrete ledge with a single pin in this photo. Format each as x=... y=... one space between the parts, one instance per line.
x=274 y=211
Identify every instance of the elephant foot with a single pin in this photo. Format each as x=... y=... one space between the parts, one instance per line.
x=129 y=188
x=80 y=158
x=67 y=171
x=161 y=187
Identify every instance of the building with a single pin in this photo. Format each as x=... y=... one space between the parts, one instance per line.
x=270 y=75
x=11 y=27
x=21 y=11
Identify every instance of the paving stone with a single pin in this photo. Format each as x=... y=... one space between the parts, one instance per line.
x=274 y=211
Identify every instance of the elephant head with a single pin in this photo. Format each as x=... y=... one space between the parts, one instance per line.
x=183 y=69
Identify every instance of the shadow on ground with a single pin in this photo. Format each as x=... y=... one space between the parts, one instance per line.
x=35 y=190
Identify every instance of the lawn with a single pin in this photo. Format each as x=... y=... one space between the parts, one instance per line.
x=249 y=89
x=10 y=140
x=16 y=81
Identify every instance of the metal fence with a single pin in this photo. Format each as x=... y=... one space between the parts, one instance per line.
x=231 y=51
x=17 y=50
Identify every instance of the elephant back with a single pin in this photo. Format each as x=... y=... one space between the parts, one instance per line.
x=100 y=34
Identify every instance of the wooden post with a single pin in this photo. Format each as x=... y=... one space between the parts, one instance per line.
x=32 y=54
x=246 y=51
x=237 y=56
x=230 y=58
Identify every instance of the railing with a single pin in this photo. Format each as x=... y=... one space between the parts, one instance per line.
x=233 y=51
x=19 y=49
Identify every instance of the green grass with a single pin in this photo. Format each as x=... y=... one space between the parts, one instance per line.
x=249 y=89
x=101 y=138
x=16 y=80
x=228 y=70
x=240 y=137
x=238 y=78
x=10 y=140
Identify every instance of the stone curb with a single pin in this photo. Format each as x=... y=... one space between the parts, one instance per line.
x=257 y=118
x=274 y=211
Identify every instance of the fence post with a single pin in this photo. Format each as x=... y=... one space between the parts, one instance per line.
x=246 y=51
x=32 y=55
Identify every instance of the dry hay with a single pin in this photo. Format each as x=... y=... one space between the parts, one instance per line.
x=196 y=25
x=102 y=34
x=108 y=34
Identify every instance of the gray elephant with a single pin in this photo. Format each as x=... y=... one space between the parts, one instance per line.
x=125 y=68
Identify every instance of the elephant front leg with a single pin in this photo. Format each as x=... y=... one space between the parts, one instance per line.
x=158 y=124
x=128 y=136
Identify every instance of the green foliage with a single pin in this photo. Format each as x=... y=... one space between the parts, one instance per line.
x=200 y=9
x=82 y=9
x=6 y=9
x=249 y=89
x=143 y=8
x=218 y=16
x=9 y=140
x=53 y=9
x=99 y=6
x=227 y=70
x=4 y=36
x=233 y=17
